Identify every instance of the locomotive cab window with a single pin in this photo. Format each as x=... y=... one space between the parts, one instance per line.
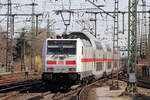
x=61 y=47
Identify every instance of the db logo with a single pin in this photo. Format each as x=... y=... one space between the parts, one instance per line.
x=61 y=62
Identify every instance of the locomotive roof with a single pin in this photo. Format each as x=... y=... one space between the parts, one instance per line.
x=80 y=35
x=88 y=37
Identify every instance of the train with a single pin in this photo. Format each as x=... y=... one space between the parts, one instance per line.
x=78 y=58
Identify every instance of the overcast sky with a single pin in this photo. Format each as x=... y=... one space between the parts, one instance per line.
x=46 y=7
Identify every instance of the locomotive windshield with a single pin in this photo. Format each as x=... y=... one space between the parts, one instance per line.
x=61 y=47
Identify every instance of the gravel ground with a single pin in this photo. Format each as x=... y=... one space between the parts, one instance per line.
x=104 y=93
x=31 y=96
x=24 y=96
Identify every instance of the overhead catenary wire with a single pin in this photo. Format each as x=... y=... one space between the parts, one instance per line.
x=101 y=8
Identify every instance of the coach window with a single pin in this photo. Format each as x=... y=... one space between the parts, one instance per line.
x=115 y=64
x=109 y=65
x=99 y=66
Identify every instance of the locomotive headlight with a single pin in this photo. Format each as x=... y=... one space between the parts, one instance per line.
x=50 y=69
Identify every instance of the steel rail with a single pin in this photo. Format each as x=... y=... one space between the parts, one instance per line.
x=20 y=86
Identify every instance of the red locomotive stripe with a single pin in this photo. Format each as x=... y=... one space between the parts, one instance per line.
x=70 y=62
x=98 y=60
x=51 y=62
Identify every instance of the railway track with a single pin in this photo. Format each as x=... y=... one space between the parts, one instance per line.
x=144 y=83
x=20 y=86
x=15 y=94
x=79 y=92
x=140 y=82
x=9 y=78
x=14 y=90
